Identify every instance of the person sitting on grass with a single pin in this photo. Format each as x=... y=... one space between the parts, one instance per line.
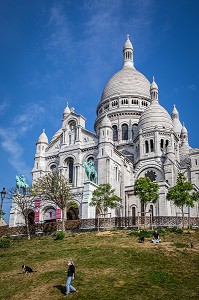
x=156 y=237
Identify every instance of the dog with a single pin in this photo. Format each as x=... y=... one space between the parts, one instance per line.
x=27 y=269
x=141 y=239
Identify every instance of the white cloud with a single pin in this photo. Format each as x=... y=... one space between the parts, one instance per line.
x=4 y=105
x=9 y=137
x=29 y=118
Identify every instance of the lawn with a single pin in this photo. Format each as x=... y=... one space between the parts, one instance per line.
x=109 y=265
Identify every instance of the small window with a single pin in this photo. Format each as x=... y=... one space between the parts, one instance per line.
x=151 y=146
x=115 y=133
x=147 y=146
x=124 y=132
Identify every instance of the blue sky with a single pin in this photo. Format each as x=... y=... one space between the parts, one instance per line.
x=53 y=52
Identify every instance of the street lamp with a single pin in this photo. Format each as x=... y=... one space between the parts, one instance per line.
x=3 y=194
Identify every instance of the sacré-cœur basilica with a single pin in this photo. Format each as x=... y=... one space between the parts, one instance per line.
x=134 y=137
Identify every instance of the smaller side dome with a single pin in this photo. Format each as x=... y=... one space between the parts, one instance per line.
x=184 y=130
x=43 y=138
x=66 y=111
x=177 y=126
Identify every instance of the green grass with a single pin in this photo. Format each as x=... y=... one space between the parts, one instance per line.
x=109 y=265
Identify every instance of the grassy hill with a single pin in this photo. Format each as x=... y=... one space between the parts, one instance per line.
x=109 y=265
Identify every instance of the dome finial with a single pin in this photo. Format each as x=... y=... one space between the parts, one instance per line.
x=154 y=90
x=128 y=54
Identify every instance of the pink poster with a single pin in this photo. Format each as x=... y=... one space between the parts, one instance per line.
x=37 y=206
x=58 y=213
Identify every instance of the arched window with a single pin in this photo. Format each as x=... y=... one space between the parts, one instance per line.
x=73 y=132
x=53 y=168
x=134 y=130
x=133 y=216
x=70 y=164
x=147 y=146
x=124 y=132
x=161 y=144
x=115 y=133
x=151 y=145
x=151 y=175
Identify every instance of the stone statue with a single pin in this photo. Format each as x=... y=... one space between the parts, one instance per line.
x=90 y=171
x=21 y=184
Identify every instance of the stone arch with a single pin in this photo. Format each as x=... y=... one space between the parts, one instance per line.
x=31 y=216
x=73 y=212
x=156 y=169
x=53 y=167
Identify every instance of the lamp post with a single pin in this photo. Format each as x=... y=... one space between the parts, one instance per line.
x=3 y=194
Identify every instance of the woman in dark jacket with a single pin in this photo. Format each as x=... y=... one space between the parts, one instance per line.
x=71 y=276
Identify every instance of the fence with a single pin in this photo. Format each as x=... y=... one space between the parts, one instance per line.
x=100 y=224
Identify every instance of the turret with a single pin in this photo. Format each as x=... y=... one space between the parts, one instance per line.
x=177 y=126
x=128 y=54
x=154 y=90
x=40 y=163
x=184 y=149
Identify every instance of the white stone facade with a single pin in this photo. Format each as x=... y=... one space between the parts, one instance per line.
x=135 y=137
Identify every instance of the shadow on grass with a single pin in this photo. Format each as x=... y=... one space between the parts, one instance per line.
x=61 y=288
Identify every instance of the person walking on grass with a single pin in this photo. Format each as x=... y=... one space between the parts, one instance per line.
x=70 y=277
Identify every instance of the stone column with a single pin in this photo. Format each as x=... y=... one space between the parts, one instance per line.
x=88 y=212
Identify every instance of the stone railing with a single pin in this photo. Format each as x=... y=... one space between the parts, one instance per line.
x=100 y=224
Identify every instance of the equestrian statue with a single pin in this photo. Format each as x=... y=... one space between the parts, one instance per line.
x=21 y=185
x=91 y=173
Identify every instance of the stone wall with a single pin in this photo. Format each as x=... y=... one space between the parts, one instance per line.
x=99 y=224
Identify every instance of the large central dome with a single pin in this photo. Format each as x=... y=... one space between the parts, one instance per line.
x=127 y=81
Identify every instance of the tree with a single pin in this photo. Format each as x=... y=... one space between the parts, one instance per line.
x=182 y=194
x=104 y=197
x=55 y=188
x=24 y=203
x=147 y=191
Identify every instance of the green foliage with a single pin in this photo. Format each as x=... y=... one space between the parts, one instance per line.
x=181 y=194
x=59 y=235
x=176 y=230
x=54 y=187
x=5 y=243
x=104 y=197
x=146 y=190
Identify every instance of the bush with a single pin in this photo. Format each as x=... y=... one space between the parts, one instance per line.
x=176 y=230
x=5 y=243
x=59 y=235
